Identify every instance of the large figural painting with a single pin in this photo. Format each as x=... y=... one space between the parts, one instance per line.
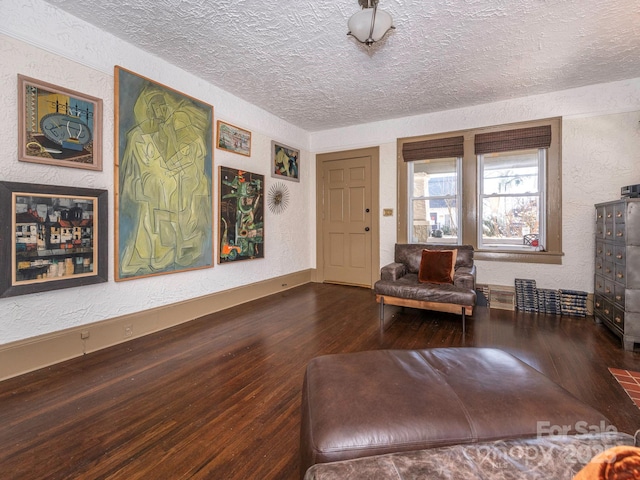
x=163 y=179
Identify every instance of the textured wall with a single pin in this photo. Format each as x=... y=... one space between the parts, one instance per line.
x=288 y=236
x=600 y=154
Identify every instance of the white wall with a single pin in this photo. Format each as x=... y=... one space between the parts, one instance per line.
x=601 y=153
x=600 y=143
x=55 y=47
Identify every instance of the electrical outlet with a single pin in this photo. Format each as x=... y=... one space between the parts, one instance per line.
x=128 y=331
x=84 y=334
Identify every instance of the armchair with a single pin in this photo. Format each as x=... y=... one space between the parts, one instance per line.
x=399 y=284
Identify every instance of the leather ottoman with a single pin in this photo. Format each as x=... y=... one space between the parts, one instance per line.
x=370 y=403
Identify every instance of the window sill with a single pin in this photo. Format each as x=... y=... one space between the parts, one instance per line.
x=552 y=258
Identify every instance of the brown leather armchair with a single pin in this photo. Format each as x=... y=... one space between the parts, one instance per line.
x=399 y=285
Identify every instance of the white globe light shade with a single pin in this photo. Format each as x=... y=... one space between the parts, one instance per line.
x=360 y=24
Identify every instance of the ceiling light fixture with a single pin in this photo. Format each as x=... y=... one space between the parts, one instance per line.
x=369 y=25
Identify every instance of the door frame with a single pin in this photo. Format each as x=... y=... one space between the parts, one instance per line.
x=321 y=159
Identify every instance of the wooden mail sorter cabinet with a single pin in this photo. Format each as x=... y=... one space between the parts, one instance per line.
x=617 y=268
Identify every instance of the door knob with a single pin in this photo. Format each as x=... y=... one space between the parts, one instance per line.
x=366 y=229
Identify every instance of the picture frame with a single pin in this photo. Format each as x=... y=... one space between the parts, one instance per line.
x=241 y=215
x=163 y=179
x=57 y=237
x=58 y=126
x=233 y=139
x=285 y=162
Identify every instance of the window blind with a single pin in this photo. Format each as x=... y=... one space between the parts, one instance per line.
x=437 y=148
x=518 y=139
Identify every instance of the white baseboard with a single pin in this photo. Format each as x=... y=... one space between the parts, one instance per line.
x=31 y=354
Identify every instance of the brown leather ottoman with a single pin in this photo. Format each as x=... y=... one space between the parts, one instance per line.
x=368 y=403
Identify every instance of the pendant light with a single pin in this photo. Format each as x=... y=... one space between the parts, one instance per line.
x=369 y=25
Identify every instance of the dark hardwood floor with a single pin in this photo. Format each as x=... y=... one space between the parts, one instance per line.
x=219 y=397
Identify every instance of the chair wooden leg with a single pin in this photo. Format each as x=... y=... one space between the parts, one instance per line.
x=463 y=323
x=381 y=312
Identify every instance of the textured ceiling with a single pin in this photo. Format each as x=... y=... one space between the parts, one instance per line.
x=294 y=59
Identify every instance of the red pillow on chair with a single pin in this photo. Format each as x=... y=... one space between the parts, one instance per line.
x=437 y=266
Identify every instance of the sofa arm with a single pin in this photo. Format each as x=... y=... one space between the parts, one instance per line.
x=393 y=272
x=465 y=277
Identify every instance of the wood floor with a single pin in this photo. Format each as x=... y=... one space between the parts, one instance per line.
x=219 y=397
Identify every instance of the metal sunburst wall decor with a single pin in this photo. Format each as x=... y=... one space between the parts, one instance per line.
x=278 y=198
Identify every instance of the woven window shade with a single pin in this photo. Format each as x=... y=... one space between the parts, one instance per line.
x=519 y=139
x=438 y=148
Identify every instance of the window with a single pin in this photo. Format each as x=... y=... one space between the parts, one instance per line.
x=496 y=188
x=433 y=200
x=511 y=199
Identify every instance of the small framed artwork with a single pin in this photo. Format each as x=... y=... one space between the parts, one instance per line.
x=285 y=162
x=54 y=237
x=241 y=215
x=233 y=139
x=57 y=126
